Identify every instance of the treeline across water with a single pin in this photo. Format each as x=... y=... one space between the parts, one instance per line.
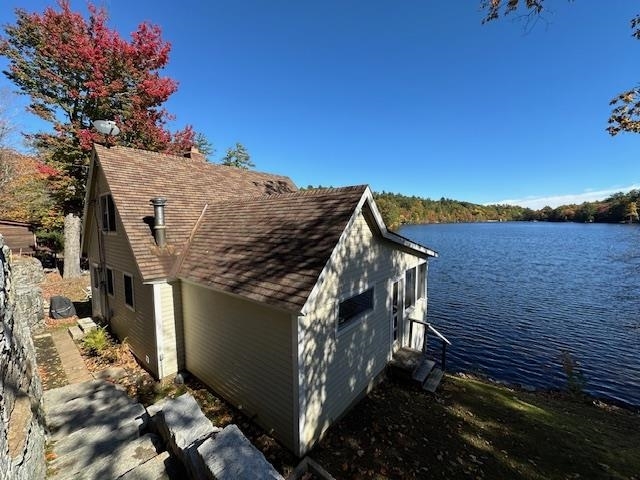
x=400 y=209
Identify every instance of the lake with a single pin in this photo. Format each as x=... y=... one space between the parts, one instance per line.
x=513 y=296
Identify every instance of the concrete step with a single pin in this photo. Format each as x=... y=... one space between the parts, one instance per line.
x=65 y=424
x=103 y=438
x=86 y=324
x=87 y=463
x=76 y=332
x=154 y=469
x=77 y=390
x=421 y=373
x=433 y=380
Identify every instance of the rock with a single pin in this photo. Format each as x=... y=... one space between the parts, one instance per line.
x=231 y=456
x=183 y=426
x=22 y=434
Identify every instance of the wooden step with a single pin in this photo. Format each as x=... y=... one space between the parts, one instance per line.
x=433 y=380
x=422 y=372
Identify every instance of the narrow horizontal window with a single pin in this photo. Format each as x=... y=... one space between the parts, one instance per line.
x=353 y=307
x=128 y=290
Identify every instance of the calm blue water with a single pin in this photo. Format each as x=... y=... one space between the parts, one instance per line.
x=512 y=296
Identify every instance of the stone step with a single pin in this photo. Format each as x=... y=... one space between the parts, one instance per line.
x=421 y=373
x=97 y=400
x=77 y=390
x=154 y=469
x=86 y=324
x=65 y=424
x=103 y=438
x=86 y=464
x=76 y=332
x=433 y=380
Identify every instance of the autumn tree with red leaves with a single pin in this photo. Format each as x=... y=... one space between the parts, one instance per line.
x=77 y=70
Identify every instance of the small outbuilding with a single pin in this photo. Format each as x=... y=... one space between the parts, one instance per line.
x=19 y=236
x=287 y=303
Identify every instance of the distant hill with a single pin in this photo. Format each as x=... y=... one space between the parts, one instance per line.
x=398 y=209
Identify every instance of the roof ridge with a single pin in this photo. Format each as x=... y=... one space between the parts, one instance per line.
x=317 y=192
x=190 y=161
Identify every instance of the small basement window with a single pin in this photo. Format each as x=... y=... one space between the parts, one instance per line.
x=109 y=281
x=422 y=280
x=353 y=307
x=128 y=290
x=108 y=210
x=410 y=288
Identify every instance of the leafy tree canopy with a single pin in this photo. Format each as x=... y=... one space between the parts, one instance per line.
x=77 y=70
x=238 y=157
x=625 y=115
x=397 y=209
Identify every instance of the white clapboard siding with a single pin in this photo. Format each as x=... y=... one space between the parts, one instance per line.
x=137 y=327
x=243 y=350
x=338 y=366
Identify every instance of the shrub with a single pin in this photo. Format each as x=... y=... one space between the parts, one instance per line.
x=96 y=341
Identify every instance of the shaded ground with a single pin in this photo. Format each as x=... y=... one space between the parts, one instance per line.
x=49 y=364
x=474 y=429
x=471 y=429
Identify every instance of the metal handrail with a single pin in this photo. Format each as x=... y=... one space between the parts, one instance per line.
x=444 y=339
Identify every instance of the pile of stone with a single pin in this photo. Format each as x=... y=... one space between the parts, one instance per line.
x=206 y=451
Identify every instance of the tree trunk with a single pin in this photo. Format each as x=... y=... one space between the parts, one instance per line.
x=71 y=246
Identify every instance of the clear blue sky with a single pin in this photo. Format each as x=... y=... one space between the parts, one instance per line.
x=416 y=97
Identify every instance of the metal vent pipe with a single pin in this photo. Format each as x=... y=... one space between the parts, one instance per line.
x=159 y=228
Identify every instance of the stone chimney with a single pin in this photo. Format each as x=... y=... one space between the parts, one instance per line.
x=159 y=228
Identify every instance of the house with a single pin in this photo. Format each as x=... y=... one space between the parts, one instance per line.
x=19 y=236
x=287 y=303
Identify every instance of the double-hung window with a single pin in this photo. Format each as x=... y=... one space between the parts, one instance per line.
x=410 y=288
x=110 y=289
x=128 y=291
x=422 y=280
x=108 y=210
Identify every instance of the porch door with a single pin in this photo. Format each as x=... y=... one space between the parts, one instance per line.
x=397 y=310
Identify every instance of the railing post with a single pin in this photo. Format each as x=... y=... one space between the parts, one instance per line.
x=444 y=354
x=424 y=339
x=410 y=333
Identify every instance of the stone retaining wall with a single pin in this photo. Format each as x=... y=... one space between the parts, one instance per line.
x=27 y=275
x=22 y=435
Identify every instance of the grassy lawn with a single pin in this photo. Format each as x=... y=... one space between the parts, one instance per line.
x=474 y=429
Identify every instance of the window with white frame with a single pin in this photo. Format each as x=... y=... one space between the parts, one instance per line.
x=128 y=290
x=422 y=280
x=353 y=308
x=108 y=211
x=410 y=288
x=110 y=289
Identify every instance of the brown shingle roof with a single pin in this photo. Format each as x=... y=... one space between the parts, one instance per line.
x=135 y=176
x=270 y=249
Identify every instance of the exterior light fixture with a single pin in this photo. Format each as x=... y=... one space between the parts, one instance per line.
x=106 y=127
